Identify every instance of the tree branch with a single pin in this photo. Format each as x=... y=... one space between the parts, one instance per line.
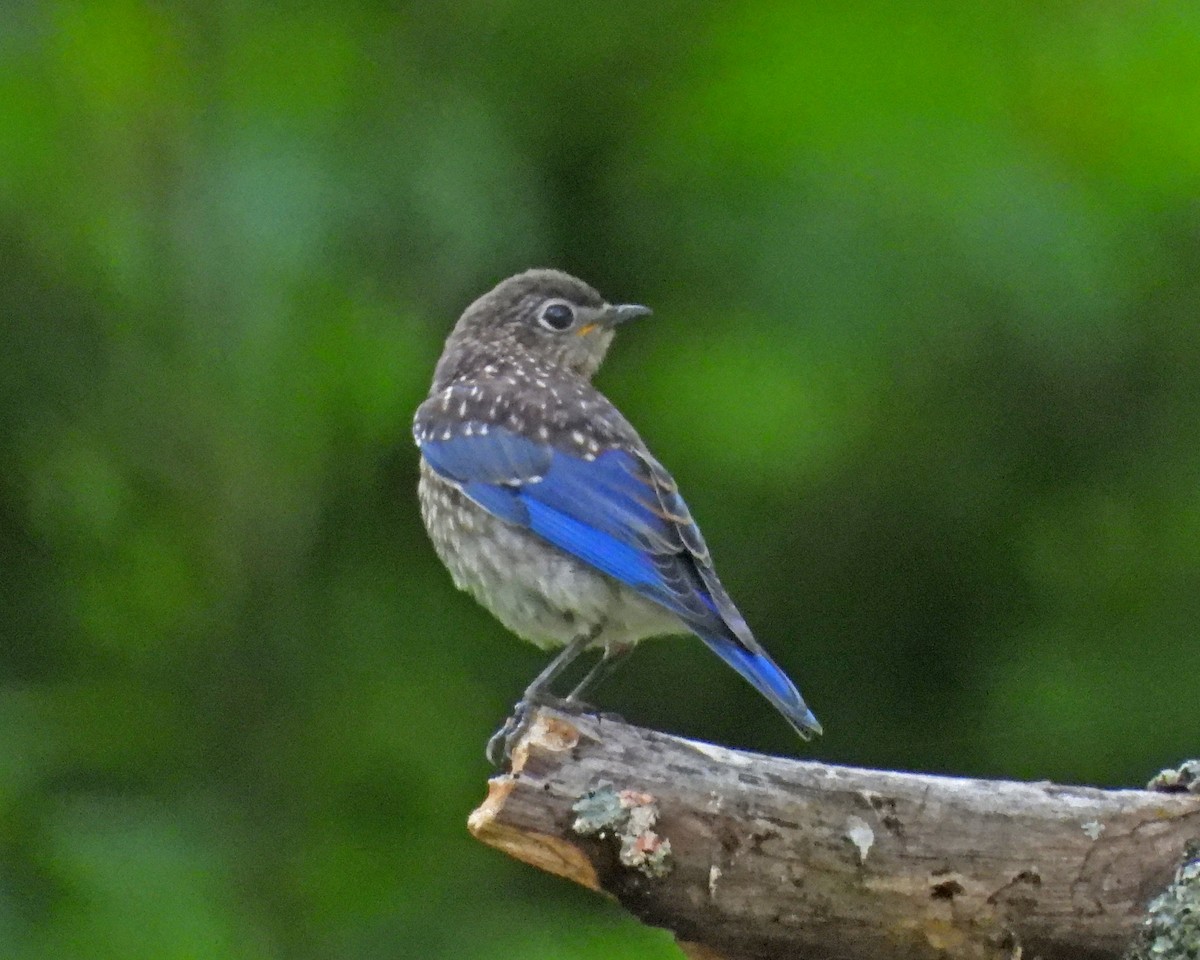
x=750 y=856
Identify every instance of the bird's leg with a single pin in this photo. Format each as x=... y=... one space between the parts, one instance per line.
x=565 y=657
x=500 y=745
x=601 y=670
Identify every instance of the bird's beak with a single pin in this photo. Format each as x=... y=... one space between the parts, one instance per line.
x=624 y=312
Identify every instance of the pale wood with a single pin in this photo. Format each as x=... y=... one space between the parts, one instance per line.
x=778 y=858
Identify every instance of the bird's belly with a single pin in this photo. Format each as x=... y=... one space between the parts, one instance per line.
x=536 y=590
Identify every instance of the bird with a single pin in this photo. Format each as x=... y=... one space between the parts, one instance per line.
x=547 y=507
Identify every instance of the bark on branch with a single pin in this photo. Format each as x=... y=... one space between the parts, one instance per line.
x=750 y=856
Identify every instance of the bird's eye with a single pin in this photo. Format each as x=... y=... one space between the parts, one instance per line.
x=557 y=315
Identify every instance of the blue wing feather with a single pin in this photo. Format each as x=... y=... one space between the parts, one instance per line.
x=622 y=514
x=768 y=679
x=604 y=552
x=607 y=495
x=503 y=501
x=497 y=457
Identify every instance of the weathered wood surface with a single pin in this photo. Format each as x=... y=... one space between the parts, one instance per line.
x=768 y=857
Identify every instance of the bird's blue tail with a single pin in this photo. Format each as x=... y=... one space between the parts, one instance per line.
x=768 y=679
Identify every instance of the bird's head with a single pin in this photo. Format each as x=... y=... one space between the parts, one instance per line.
x=544 y=317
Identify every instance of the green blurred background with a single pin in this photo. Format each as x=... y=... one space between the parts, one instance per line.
x=925 y=360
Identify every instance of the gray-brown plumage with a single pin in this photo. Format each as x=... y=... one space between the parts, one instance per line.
x=545 y=504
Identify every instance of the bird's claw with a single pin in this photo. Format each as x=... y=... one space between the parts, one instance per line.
x=577 y=708
x=500 y=745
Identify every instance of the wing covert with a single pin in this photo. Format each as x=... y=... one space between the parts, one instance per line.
x=617 y=511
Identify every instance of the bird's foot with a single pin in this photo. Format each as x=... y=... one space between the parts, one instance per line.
x=500 y=746
x=576 y=707
x=567 y=704
x=501 y=743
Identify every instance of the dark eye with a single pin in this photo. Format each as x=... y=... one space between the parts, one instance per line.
x=557 y=315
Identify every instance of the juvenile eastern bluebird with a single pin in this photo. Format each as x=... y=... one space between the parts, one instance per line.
x=548 y=508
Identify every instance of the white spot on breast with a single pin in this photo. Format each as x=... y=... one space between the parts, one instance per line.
x=462 y=409
x=468 y=430
x=483 y=429
x=447 y=434
x=543 y=433
x=578 y=437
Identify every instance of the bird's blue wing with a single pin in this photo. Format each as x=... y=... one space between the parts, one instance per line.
x=602 y=511
x=622 y=514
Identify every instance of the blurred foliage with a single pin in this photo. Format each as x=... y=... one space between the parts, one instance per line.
x=925 y=360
